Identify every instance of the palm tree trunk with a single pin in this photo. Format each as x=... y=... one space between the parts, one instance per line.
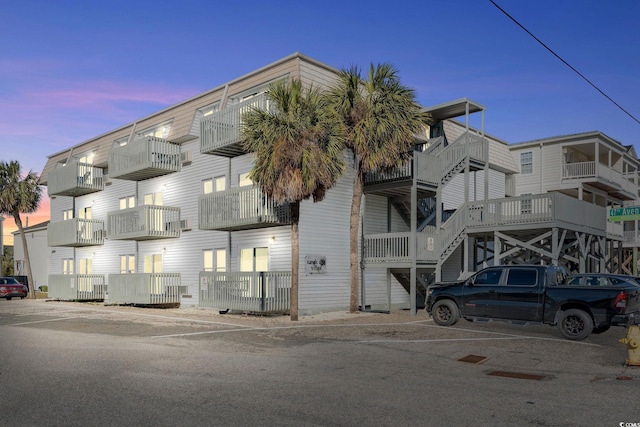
x=354 y=228
x=295 y=261
x=27 y=261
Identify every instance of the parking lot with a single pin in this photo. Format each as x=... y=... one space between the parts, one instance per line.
x=79 y=363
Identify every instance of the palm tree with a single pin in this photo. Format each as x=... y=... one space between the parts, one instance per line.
x=381 y=119
x=298 y=146
x=19 y=195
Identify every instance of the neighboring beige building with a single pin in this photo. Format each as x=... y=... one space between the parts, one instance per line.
x=39 y=253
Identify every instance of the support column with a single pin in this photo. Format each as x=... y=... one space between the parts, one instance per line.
x=413 y=277
x=555 y=249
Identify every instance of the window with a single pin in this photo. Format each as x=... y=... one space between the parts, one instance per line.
x=488 y=277
x=127 y=264
x=525 y=204
x=154 y=199
x=526 y=162
x=214 y=260
x=127 y=202
x=254 y=259
x=153 y=263
x=522 y=277
x=87 y=157
x=67 y=266
x=216 y=184
x=209 y=110
x=67 y=214
x=244 y=180
x=160 y=131
x=84 y=213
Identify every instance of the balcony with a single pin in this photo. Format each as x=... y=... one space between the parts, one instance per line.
x=144 y=158
x=75 y=179
x=145 y=289
x=434 y=169
x=146 y=222
x=240 y=208
x=76 y=232
x=512 y=213
x=220 y=132
x=259 y=292
x=603 y=177
x=76 y=287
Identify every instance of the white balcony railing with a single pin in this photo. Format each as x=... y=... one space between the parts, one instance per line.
x=76 y=287
x=263 y=292
x=240 y=208
x=144 y=289
x=76 y=232
x=75 y=179
x=144 y=158
x=145 y=222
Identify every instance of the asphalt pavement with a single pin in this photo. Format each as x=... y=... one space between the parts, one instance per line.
x=64 y=363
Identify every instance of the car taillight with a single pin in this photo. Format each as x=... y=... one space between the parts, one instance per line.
x=621 y=300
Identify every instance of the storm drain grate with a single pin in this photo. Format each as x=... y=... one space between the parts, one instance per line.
x=518 y=375
x=472 y=358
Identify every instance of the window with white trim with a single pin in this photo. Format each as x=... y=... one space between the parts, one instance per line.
x=244 y=180
x=127 y=202
x=127 y=264
x=526 y=162
x=67 y=214
x=214 y=260
x=68 y=266
x=254 y=259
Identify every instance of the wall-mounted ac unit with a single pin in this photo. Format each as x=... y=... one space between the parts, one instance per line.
x=185 y=224
x=186 y=157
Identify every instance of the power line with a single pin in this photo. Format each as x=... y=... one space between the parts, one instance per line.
x=566 y=63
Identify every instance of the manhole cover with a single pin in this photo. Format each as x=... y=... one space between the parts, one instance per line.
x=472 y=358
x=518 y=375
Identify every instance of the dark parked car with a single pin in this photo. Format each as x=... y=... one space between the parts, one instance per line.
x=10 y=287
x=602 y=279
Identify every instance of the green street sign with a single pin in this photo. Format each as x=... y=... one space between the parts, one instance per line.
x=629 y=213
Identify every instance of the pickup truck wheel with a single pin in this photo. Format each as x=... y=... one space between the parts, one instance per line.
x=575 y=324
x=445 y=312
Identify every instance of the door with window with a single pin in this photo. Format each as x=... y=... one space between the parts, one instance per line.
x=256 y=260
x=85 y=268
x=153 y=265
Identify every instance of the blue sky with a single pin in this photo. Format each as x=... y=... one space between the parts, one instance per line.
x=71 y=70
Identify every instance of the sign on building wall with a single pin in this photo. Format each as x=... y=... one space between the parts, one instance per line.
x=629 y=213
x=315 y=264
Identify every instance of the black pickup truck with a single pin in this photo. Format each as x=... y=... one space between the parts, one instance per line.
x=536 y=294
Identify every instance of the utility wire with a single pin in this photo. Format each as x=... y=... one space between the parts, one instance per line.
x=565 y=62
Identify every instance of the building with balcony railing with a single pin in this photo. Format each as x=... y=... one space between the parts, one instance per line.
x=175 y=220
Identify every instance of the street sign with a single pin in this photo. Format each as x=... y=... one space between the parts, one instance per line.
x=629 y=213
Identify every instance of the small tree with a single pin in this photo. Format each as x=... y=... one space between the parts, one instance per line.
x=381 y=119
x=298 y=148
x=19 y=195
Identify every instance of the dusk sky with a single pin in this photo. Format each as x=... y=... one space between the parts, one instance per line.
x=72 y=70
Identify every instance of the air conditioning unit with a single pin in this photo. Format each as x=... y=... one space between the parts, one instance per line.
x=186 y=157
x=185 y=224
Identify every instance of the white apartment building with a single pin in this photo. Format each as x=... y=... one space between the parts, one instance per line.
x=160 y=211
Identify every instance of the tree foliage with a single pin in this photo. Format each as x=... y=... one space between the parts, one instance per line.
x=381 y=118
x=298 y=144
x=19 y=195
